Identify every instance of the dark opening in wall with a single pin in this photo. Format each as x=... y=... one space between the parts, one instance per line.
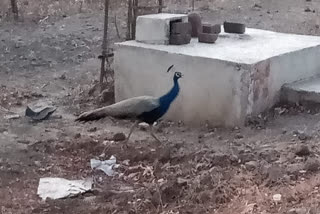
x=174 y=21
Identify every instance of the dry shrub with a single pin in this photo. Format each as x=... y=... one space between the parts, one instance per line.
x=38 y=9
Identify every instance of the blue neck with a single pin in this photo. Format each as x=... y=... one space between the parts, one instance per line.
x=168 y=98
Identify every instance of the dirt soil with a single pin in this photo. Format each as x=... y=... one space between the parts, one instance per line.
x=52 y=60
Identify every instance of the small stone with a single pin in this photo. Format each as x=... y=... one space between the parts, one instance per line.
x=2 y=130
x=161 y=181
x=23 y=141
x=119 y=136
x=143 y=126
x=200 y=136
x=276 y=197
x=37 y=163
x=18 y=103
x=210 y=134
x=63 y=77
x=294 y=169
x=102 y=155
x=106 y=142
x=303 y=151
x=94 y=129
x=251 y=165
x=296 y=132
x=220 y=159
x=275 y=173
x=257 y=6
x=90 y=199
x=307 y=9
x=106 y=96
x=312 y=165
x=298 y=211
x=303 y=136
x=182 y=181
x=245 y=156
x=238 y=136
x=78 y=135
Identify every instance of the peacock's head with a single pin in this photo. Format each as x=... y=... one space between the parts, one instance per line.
x=177 y=75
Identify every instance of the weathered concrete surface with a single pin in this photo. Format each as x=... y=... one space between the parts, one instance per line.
x=301 y=91
x=239 y=75
x=155 y=28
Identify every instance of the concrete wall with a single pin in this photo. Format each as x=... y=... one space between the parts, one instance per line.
x=268 y=76
x=211 y=90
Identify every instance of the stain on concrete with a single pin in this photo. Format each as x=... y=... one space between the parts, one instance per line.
x=260 y=79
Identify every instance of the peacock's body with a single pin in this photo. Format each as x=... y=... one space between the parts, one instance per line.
x=143 y=108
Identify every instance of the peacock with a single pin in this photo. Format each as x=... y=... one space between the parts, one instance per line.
x=146 y=109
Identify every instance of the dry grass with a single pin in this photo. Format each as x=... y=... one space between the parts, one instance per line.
x=38 y=9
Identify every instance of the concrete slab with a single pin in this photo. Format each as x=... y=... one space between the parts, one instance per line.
x=253 y=46
x=155 y=28
x=301 y=91
x=237 y=76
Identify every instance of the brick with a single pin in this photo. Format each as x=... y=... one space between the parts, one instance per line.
x=230 y=27
x=207 y=37
x=179 y=39
x=195 y=21
x=209 y=28
x=180 y=28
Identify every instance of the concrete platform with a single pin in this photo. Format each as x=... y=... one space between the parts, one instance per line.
x=237 y=76
x=307 y=90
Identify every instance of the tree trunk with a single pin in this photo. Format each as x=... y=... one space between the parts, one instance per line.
x=104 y=44
x=14 y=7
x=129 y=21
x=135 y=15
x=160 y=6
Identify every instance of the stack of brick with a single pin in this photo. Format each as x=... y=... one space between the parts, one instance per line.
x=180 y=33
x=209 y=33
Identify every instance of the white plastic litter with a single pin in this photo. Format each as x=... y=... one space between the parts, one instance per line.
x=57 y=188
x=12 y=116
x=106 y=166
x=277 y=197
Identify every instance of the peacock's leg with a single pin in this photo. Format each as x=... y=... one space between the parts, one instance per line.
x=131 y=130
x=153 y=135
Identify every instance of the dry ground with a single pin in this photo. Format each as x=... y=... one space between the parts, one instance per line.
x=197 y=170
